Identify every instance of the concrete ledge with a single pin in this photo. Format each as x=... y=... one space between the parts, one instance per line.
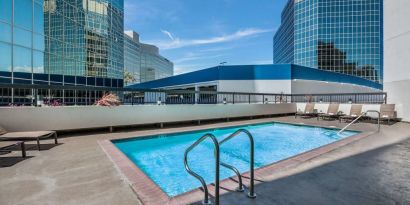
x=86 y=117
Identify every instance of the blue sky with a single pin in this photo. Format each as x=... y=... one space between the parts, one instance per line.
x=197 y=34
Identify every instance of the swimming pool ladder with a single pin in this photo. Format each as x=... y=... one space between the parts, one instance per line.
x=360 y=116
x=251 y=193
x=192 y=173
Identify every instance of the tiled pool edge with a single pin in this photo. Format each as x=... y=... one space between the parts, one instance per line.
x=150 y=194
x=146 y=190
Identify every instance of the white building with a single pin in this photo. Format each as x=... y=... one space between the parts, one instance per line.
x=397 y=55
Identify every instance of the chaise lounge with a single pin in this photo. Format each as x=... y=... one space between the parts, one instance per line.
x=355 y=111
x=309 y=111
x=27 y=136
x=387 y=112
x=332 y=112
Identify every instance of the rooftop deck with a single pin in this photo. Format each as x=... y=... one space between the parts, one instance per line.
x=373 y=170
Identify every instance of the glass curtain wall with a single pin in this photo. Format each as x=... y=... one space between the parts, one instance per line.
x=61 y=41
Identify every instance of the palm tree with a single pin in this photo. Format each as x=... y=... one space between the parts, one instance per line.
x=128 y=77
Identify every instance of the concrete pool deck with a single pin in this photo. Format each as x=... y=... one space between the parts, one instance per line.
x=373 y=170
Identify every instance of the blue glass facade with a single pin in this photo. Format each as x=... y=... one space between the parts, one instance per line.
x=65 y=42
x=344 y=36
x=283 y=40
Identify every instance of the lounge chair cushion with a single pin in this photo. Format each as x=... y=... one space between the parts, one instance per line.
x=27 y=135
x=387 y=111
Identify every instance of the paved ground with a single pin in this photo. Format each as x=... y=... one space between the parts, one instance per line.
x=375 y=170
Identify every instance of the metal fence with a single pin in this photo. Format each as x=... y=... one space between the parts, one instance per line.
x=39 y=95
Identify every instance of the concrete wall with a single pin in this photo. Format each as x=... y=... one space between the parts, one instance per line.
x=68 y=118
x=397 y=54
x=320 y=87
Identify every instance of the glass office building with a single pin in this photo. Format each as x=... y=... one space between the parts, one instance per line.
x=143 y=61
x=62 y=42
x=132 y=56
x=344 y=36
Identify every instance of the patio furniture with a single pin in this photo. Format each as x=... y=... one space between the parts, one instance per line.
x=27 y=136
x=332 y=112
x=309 y=111
x=18 y=143
x=387 y=112
x=355 y=111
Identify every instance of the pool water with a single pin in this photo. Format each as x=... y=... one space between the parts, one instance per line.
x=161 y=157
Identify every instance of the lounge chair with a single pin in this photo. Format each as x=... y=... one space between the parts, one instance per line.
x=355 y=111
x=309 y=111
x=332 y=112
x=26 y=136
x=387 y=112
x=18 y=143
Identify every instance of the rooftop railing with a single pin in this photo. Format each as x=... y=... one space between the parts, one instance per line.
x=57 y=95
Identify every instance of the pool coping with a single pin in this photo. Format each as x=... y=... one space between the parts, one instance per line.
x=150 y=193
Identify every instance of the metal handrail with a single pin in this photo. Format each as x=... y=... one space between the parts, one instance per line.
x=238 y=174
x=361 y=115
x=251 y=193
x=192 y=173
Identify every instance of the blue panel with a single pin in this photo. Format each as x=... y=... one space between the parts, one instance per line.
x=91 y=81
x=205 y=75
x=20 y=81
x=5 y=80
x=120 y=83
x=5 y=74
x=27 y=76
x=81 y=80
x=107 y=82
x=56 y=79
x=39 y=76
x=114 y=83
x=100 y=82
x=305 y=73
x=37 y=82
x=68 y=79
x=256 y=72
x=244 y=72
x=40 y=79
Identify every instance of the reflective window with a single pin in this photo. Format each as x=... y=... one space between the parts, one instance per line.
x=38 y=18
x=5 y=32
x=6 y=8
x=39 y=42
x=21 y=59
x=22 y=37
x=24 y=13
x=38 y=62
x=5 y=57
x=339 y=36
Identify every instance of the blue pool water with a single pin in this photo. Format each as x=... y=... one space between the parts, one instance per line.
x=161 y=157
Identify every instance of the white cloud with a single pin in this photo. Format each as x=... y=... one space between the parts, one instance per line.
x=193 y=57
x=180 y=69
x=179 y=43
x=169 y=34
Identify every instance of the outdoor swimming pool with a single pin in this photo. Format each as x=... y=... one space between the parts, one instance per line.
x=161 y=157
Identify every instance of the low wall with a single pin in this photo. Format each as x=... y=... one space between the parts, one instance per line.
x=82 y=117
